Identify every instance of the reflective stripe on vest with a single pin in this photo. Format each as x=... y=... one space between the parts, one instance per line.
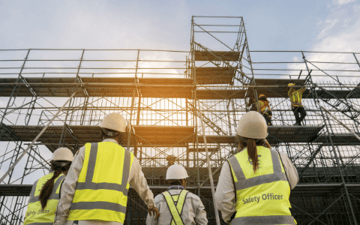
x=261 y=197
x=175 y=208
x=102 y=188
x=296 y=98
x=34 y=214
x=264 y=220
x=264 y=106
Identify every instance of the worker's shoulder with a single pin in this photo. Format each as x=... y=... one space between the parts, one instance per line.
x=192 y=196
x=158 y=198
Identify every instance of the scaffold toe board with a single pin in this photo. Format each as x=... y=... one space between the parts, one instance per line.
x=100 y=87
x=217 y=56
x=15 y=189
x=214 y=75
x=342 y=94
x=339 y=139
x=163 y=135
x=76 y=136
x=278 y=134
x=220 y=94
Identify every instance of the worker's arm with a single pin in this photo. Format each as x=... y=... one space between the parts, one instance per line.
x=225 y=193
x=200 y=213
x=302 y=89
x=290 y=91
x=138 y=182
x=68 y=188
x=291 y=171
x=150 y=220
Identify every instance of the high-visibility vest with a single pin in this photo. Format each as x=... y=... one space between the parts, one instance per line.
x=296 y=97
x=102 y=189
x=261 y=197
x=176 y=205
x=35 y=214
x=264 y=106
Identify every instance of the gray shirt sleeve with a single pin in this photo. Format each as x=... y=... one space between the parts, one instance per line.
x=68 y=188
x=138 y=182
x=225 y=193
x=150 y=220
x=200 y=213
x=290 y=170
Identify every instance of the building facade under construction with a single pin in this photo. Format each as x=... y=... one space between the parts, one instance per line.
x=183 y=107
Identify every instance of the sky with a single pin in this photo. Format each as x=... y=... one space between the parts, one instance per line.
x=332 y=25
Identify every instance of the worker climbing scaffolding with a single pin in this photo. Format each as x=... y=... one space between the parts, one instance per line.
x=296 y=102
x=265 y=110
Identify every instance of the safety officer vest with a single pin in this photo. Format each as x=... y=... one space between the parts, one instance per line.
x=264 y=106
x=102 y=188
x=296 y=98
x=261 y=197
x=34 y=214
x=176 y=205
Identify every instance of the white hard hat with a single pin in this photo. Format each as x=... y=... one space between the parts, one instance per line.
x=114 y=121
x=63 y=154
x=176 y=172
x=252 y=125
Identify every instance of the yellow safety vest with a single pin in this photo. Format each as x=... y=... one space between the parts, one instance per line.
x=296 y=97
x=176 y=205
x=34 y=214
x=264 y=106
x=261 y=197
x=102 y=188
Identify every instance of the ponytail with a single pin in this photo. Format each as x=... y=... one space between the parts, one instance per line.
x=58 y=167
x=252 y=152
x=251 y=144
x=47 y=189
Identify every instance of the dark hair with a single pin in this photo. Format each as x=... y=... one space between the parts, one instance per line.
x=175 y=182
x=117 y=136
x=263 y=98
x=57 y=167
x=251 y=144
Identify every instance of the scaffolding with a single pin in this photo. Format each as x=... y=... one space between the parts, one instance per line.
x=166 y=96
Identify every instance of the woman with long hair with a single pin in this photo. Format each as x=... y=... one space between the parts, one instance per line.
x=45 y=193
x=254 y=184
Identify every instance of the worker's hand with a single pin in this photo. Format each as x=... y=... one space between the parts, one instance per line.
x=154 y=211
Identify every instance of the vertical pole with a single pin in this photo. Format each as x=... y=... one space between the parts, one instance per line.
x=193 y=71
x=317 y=103
x=209 y=168
x=133 y=101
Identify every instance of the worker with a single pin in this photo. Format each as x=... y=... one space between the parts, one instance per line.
x=265 y=108
x=44 y=196
x=296 y=104
x=177 y=205
x=252 y=104
x=96 y=188
x=254 y=185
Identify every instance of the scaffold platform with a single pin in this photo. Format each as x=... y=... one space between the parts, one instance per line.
x=215 y=75
x=217 y=56
x=164 y=136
